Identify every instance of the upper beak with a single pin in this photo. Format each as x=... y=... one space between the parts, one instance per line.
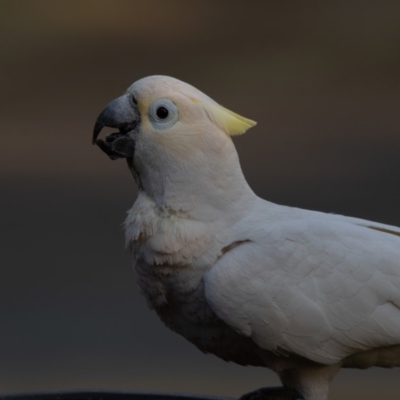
x=121 y=113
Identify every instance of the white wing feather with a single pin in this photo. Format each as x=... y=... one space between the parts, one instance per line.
x=317 y=285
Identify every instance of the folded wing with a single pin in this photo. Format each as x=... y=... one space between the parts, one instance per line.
x=321 y=286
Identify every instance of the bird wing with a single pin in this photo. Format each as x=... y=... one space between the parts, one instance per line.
x=317 y=285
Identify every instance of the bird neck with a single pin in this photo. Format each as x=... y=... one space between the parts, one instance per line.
x=203 y=191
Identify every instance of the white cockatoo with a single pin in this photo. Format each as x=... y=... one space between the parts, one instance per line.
x=303 y=293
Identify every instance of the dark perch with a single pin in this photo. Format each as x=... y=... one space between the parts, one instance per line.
x=105 y=396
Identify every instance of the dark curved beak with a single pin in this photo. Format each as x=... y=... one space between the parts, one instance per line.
x=121 y=113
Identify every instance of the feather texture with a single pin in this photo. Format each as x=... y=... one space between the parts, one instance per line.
x=321 y=286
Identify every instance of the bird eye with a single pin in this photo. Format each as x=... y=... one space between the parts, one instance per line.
x=163 y=114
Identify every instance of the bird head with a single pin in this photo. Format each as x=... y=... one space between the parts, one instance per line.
x=177 y=140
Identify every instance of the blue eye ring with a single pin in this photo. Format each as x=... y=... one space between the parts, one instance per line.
x=163 y=114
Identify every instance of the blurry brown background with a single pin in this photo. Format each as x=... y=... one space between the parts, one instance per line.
x=321 y=78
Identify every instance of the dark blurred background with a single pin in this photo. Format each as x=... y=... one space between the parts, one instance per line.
x=321 y=78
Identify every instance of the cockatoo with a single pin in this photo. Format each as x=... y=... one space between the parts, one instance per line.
x=303 y=293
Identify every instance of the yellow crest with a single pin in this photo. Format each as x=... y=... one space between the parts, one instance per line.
x=231 y=123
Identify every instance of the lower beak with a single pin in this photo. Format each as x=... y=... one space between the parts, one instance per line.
x=121 y=113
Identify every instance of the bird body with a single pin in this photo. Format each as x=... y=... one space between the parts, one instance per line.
x=303 y=293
